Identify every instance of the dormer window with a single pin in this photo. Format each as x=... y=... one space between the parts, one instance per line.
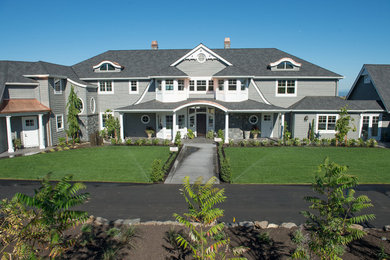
x=107 y=66
x=285 y=64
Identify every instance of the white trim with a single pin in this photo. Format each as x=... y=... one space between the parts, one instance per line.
x=94 y=105
x=259 y=92
x=21 y=83
x=77 y=84
x=37 y=76
x=286 y=94
x=137 y=86
x=197 y=48
x=54 y=86
x=298 y=77
x=145 y=123
x=83 y=107
x=109 y=62
x=9 y=135
x=252 y=116
x=40 y=132
x=144 y=93
x=276 y=63
x=370 y=119
x=106 y=92
x=122 y=129
x=195 y=103
x=333 y=110
x=63 y=123
x=326 y=131
x=116 y=78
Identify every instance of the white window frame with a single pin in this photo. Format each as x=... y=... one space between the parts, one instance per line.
x=370 y=117
x=327 y=116
x=286 y=94
x=253 y=116
x=106 y=92
x=137 y=86
x=92 y=109
x=62 y=121
x=196 y=91
x=82 y=103
x=101 y=118
x=145 y=123
x=236 y=85
x=54 y=86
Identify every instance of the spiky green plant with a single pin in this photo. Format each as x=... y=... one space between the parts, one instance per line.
x=73 y=105
x=201 y=220
x=343 y=126
x=51 y=205
x=333 y=212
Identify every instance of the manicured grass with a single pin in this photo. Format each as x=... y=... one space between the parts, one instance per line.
x=294 y=165
x=108 y=163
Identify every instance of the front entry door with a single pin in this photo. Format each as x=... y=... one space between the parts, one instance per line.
x=30 y=132
x=266 y=125
x=201 y=124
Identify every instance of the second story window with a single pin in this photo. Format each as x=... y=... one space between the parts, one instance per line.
x=133 y=87
x=232 y=84
x=243 y=84
x=180 y=84
x=105 y=87
x=286 y=87
x=285 y=65
x=221 y=84
x=201 y=85
x=211 y=85
x=106 y=67
x=169 y=84
x=158 y=85
x=192 y=85
x=57 y=86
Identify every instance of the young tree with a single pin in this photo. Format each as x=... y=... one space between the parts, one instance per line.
x=112 y=125
x=201 y=200
x=73 y=105
x=333 y=212
x=51 y=206
x=343 y=125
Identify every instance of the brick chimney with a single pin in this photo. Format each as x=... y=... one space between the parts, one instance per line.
x=154 y=45
x=227 y=42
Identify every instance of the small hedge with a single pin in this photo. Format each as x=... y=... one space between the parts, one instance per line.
x=160 y=170
x=225 y=170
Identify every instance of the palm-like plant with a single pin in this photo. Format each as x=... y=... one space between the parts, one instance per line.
x=52 y=207
x=201 y=219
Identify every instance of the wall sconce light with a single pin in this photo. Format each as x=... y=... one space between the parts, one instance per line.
x=306 y=118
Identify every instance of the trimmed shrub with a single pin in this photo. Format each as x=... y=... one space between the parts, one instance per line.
x=178 y=138
x=305 y=141
x=138 y=142
x=325 y=141
x=372 y=142
x=296 y=142
x=333 y=141
x=155 y=141
x=128 y=141
x=226 y=170
x=316 y=142
x=210 y=134
x=221 y=134
x=157 y=173
x=361 y=142
x=166 y=142
x=190 y=134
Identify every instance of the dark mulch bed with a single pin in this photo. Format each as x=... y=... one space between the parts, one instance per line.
x=155 y=242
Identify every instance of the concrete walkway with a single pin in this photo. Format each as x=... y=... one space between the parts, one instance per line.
x=195 y=160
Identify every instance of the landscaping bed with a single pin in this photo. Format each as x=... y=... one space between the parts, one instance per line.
x=297 y=165
x=103 y=163
x=154 y=241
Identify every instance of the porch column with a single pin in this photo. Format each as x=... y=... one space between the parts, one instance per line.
x=226 y=127
x=281 y=125
x=174 y=126
x=40 y=125
x=9 y=137
x=122 y=130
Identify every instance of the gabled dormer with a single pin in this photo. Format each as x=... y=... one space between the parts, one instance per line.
x=285 y=64
x=107 y=66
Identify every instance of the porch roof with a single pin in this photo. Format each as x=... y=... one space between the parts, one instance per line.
x=12 y=106
x=244 y=106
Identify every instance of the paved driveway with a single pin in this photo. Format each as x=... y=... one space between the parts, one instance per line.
x=275 y=203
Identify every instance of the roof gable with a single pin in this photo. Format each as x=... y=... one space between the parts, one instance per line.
x=195 y=53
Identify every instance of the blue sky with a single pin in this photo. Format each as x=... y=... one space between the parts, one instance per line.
x=338 y=35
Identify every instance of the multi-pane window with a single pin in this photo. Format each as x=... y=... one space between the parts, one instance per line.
x=133 y=86
x=375 y=124
x=169 y=84
x=285 y=65
x=326 y=123
x=192 y=85
x=201 y=85
x=60 y=122
x=105 y=86
x=232 y=84
x=181 y=121
x=168 y=122
x=29 y=122
x=57 y=86
x=243 y=84
x=105 y=116
x=180 y=84
x=366 y=123
x=221 y=83
x=211 y=85
x=106 y=67
x=158 y=85
x=286 y=87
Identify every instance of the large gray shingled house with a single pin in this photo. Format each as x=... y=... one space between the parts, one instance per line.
x=200 y=89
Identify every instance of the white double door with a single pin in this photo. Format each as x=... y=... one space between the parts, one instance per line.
x=30 y=136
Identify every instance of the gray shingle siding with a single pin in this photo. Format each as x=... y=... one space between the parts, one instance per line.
x=58 y=107
x=364 y=91
x=253 y=94
x=195 y=69
x=15 y=92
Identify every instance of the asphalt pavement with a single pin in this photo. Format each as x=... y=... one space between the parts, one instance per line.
x=275 y=203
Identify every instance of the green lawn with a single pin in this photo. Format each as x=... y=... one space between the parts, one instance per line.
x=283 y=165
x=108 y=163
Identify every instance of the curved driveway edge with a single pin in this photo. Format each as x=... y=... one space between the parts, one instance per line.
x=275 y=203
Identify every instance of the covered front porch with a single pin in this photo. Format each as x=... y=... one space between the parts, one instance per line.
x=201 y=117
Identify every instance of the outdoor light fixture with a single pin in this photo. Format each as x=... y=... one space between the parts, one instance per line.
x=306 y=118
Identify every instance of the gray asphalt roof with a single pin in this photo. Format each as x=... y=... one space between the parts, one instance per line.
x=333 y=103
x=380 y=75
x=144 y=63
x=231 y=106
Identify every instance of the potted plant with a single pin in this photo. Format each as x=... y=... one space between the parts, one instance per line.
x=17 y=143
x=149 y=131
x=255 y=132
